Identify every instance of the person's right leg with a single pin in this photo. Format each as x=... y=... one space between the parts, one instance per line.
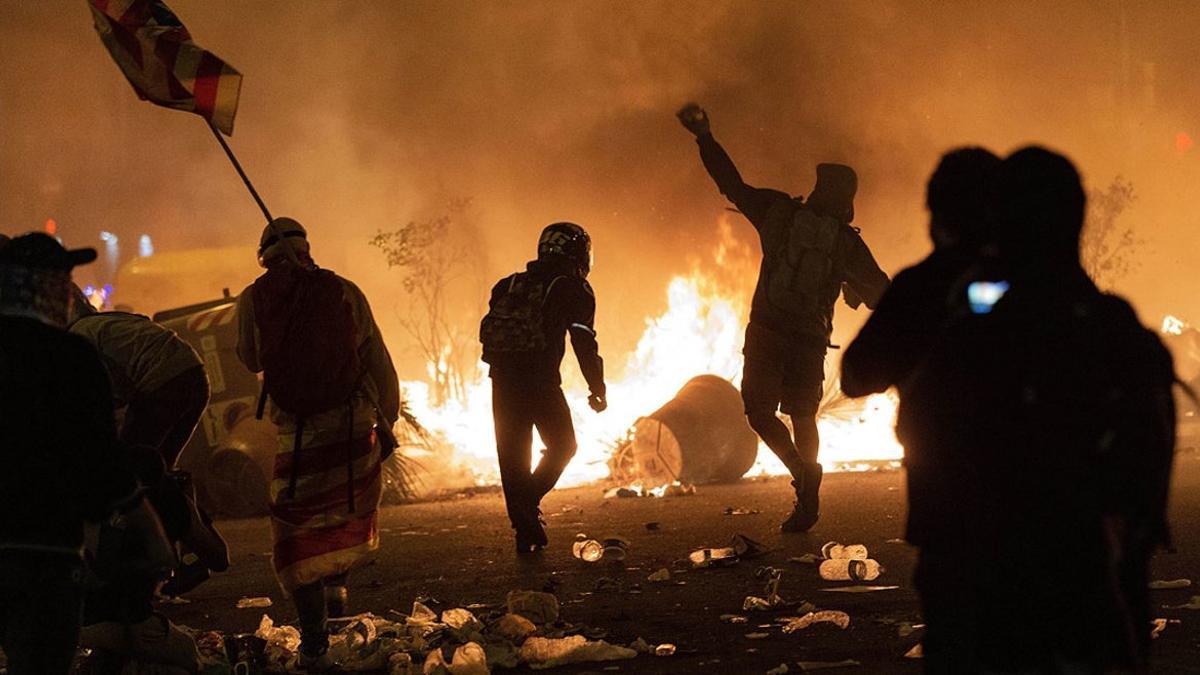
x=514 y=451
x=314 y=630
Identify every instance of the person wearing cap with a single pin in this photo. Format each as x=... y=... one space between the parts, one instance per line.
x=334 y=395
x=811 y=254
x=61 y=465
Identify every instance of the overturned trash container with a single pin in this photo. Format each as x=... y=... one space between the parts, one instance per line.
x=700 y=436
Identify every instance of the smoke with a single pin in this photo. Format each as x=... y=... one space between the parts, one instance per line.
x=361 y=116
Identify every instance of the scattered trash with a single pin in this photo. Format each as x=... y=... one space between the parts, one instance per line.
x=917 y=652
x=621 y=493
x=713 y=557
x=730 y=511
x=675 y=489
x=1194 y=603
x=757 y=636
x=859 y=589
x=836 y=551
x=663 y=574
x=778 y=670
x=837 y=618
x=587 y=550
x=514 y=627
x=460 y=618
x=653 y=526
x=253 y=603
x=850 y=570
x=906 y=629
x=422 y=614
x=665 y=649
x=535 y=606
x=734 y=618
x=615 y=548
x=1159 y=585
x=807 y=666
x=607 y=585
x=772 y=576
x=896 y=541
x=543 y=652
x=747 y=548
x=806 y=559
x=1159 y=625
x=641 y=646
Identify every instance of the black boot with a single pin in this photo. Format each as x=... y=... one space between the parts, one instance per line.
x=531 y=532
x=807 y=509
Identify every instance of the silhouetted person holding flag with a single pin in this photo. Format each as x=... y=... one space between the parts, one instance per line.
x=524 y=333
x=1042 y=428
x=810 y=256
x=334 y=396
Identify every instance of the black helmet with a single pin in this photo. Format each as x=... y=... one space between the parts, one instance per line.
x=569 y=241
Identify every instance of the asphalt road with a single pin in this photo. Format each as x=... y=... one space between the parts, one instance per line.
x=459 y=552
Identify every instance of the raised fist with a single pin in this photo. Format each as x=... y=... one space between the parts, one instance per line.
x=693 y=118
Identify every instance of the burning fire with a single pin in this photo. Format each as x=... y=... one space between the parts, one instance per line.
x=700 y=332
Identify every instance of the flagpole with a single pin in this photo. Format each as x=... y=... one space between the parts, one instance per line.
x=275 y=229
x=245 y=179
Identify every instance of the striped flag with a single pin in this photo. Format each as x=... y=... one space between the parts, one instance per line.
x=156 y=53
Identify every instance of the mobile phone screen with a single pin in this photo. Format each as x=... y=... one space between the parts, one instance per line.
x=983 y=295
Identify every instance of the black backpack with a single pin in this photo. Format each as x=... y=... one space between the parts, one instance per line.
x=801 y=269
x=513 y=324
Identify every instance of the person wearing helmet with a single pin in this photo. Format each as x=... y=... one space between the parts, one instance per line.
x=334 y=396
x=61 y=464
x=524 y=340
x=810 y=256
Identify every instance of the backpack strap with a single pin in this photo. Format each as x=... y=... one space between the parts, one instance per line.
x=261 y=406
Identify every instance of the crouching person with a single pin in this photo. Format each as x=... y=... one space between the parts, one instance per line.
x=330 y=381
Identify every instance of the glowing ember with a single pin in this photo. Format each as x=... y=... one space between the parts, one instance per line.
x=700 y=332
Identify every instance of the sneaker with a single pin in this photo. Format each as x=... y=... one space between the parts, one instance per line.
x=807 y=509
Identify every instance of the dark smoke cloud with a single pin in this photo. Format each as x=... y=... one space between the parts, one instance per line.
x=355 y=115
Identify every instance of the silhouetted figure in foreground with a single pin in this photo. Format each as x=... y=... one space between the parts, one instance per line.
x=334 y=396
x=524 y=339
x=919 y=302
x=1039 y=437
x=810 y=255
x=60 y=461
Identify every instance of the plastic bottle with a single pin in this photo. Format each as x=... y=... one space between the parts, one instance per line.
x=836 y=551
x=842 y=569
x=588 y=550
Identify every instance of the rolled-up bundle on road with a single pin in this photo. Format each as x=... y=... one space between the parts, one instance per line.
x=700 y=436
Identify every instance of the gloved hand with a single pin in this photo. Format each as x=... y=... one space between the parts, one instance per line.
x=694 y=119
x=598 y=402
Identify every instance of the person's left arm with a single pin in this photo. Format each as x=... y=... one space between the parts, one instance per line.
x=865 y=282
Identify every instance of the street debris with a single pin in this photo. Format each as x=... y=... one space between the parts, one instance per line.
x=836 y=551
x=665 y=649
x=740 y=547
x=772 y=576
x=663 y=574
x=757 y=636
x=587 y=550
x=253 y=603
x=917 y=652
x=808 y=666
x=731 y=511
x=1161 y=585
x=653 y=526
x=542 y=652
x=675 y=489
x=778 y=670
x=835 y=617
x=842 y=569
x=734 y=618
x=535 y=606
x=858 y=589
x=1194 y=603
x=806 y=559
